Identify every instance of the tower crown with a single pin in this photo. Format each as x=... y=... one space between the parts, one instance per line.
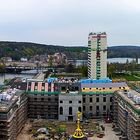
x=78 y=132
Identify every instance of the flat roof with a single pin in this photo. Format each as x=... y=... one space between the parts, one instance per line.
x=8 y=97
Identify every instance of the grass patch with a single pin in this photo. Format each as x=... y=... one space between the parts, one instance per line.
x=127 y=77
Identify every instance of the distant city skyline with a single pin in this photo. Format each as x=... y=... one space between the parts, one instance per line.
x=68 y=22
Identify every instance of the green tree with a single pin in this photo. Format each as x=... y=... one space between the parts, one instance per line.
x=2 y=68
x=111 y=68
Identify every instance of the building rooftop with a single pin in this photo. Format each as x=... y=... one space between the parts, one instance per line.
x=87 y=81
x=97 y=33
x=57 y=80
x=72 y=80
x=68 y=80
x=8 y=97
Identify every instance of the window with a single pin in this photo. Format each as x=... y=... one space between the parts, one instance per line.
x=76 y=88
x=90 y=108
x=90 y=100
x=42 y=106
x=83 y=88
x=42 y=94
x=61 y=110
x=70 y=110
x=36 y=84
x=49 y=108
x=79 y=102
x=103 y=87
x=104 y=107
x=43 y=88
x=89 y=42
x=119 y=87
x=35 y=99
x=71 y=88
x=104 y=99
x=42 y=99
x=70 y=102
x=123 y=87
x=97 y=99
x=104 y=114
x=110 y=88
x=111 y=99
x=56 y=88
x=84 y=100
x=63 y=88
x=84 y=108
x=49 y=99
x=61 y=101
x=97 y=108
x=111 y=107
x=56 y=99
x=97 y=113
x=79 y=109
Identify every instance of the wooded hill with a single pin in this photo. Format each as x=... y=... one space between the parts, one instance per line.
x=124 y=51
x=16 y=50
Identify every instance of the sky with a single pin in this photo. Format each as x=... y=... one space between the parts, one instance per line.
x=68 y=22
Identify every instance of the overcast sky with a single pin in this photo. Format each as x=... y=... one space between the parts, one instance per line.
x=68 y=22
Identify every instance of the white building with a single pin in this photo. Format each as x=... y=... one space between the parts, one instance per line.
x=97 y=55
x=69 y=105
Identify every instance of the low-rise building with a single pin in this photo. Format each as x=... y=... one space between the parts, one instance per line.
x=69 y=105
x=42 y=99
x=97 y=97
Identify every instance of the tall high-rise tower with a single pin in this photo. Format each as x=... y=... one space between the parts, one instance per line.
x=97 y=55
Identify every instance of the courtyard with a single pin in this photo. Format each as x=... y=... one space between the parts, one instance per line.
x=91 y=129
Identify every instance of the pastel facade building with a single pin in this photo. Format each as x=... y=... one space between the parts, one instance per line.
x=98 y=95
x=55 y=98
x=42 y=99
x=97 y=55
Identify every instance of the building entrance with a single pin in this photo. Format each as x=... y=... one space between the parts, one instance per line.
x=70 y=118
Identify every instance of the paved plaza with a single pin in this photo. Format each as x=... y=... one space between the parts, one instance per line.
x=109 y=134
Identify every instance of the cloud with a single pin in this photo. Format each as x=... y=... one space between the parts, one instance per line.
x=66 y=22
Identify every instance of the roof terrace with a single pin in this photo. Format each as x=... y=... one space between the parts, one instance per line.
x=7 y=98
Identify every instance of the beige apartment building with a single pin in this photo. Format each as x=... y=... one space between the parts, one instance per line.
x=97 y=55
